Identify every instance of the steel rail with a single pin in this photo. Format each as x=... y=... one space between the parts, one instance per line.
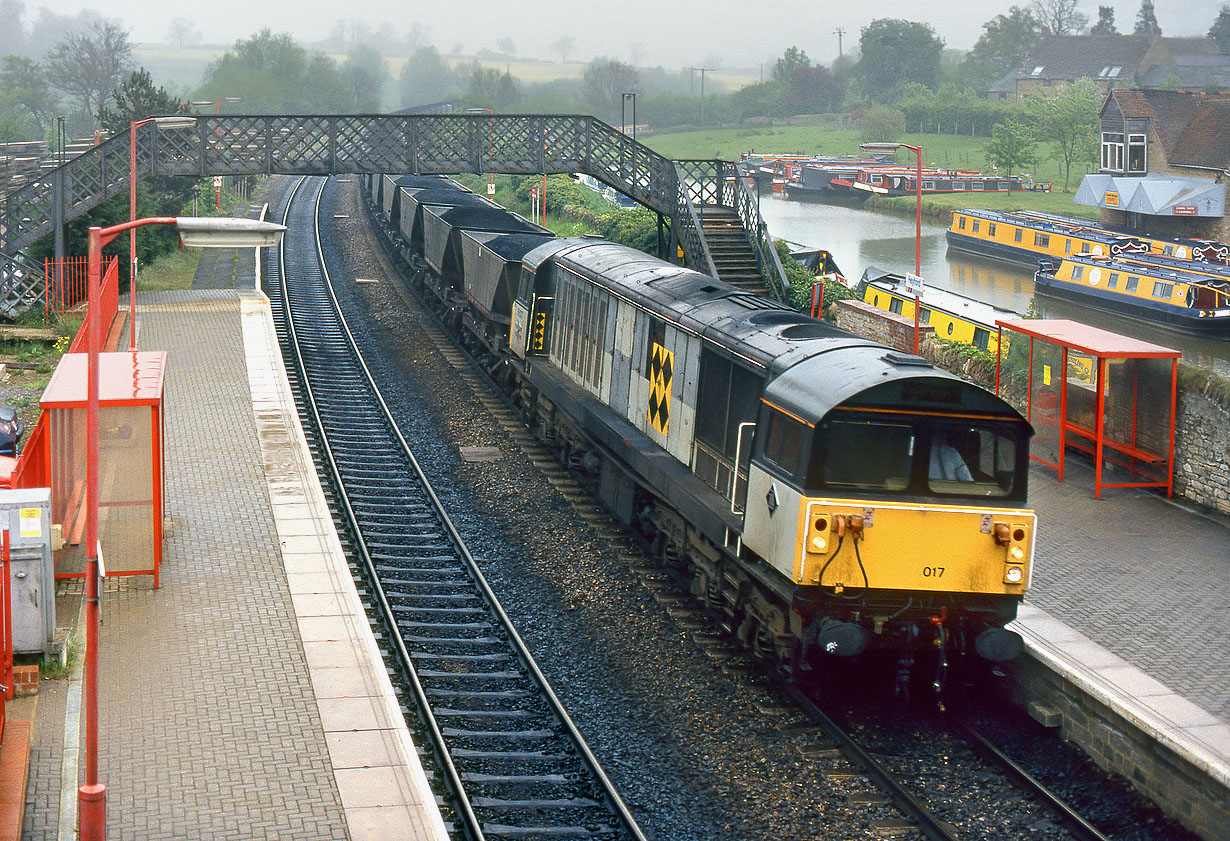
x=449 y=768
x=1070 y=818
x=928 y=824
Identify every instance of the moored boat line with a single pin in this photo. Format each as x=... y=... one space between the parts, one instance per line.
x=1027 y=236
x=1183 y=298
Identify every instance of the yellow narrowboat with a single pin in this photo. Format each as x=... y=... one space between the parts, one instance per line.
x=1027 y=238
x=954 y=317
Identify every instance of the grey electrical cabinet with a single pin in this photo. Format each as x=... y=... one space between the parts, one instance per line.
x=26 y=514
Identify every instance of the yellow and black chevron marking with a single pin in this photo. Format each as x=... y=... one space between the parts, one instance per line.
x=538 y=341
x=661 y=366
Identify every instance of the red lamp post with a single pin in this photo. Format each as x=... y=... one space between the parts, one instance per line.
x=162 y=122
x=891 y=148
x=215 y=233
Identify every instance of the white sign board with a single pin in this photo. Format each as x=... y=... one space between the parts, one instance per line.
x=913 y=285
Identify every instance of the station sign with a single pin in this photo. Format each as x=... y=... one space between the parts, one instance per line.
x=914 y=285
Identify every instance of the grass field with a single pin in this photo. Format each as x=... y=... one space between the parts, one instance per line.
x=944 y=150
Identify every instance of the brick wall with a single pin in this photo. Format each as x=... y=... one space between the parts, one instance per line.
x=888 y=328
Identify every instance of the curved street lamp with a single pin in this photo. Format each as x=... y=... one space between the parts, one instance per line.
x=207 y=232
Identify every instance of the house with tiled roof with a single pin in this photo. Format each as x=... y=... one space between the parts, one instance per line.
x=1112 y=61
x=1165 y=163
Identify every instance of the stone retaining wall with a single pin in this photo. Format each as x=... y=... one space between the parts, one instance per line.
x=1202 y=425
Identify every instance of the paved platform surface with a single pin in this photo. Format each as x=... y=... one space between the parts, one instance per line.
x=245 y=698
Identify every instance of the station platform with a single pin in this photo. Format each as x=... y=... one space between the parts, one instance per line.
x=245 y=699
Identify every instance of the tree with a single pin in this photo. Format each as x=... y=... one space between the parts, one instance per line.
x=894 y=52
x=1059 y=16
x=881 y=124
x=1070 y=122
x=506 y=46
x=12 y=27
x=273 y=74
x=425 y=78
x=1106 y=22
x=183 y=32
x=563 y=46
x=791 y=62
x=28 y=91
x=136 y=98
x=812 y=90
x=605 y=82
x=1146 y=20
x=1219 y=32
x=363 y=76
x=492 y=88
x=1011 y=145
x=1005 y=43
x=89 y=66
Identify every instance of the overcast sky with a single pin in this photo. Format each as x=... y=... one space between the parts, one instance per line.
x=672 y=33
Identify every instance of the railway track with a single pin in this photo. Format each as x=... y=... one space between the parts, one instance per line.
x=511 y=761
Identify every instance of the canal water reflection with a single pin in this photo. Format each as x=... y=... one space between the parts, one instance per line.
x=858 y=238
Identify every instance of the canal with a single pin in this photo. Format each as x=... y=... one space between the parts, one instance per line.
x=858 y=238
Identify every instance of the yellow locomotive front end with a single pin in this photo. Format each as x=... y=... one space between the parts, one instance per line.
x=849 y=544
x=898 y=513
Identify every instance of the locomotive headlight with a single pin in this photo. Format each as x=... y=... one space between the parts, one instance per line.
x=1014 y=575
x=1017 y=553
x=819 y=543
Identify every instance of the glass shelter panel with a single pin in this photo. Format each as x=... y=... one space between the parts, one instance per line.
x=1045 y=409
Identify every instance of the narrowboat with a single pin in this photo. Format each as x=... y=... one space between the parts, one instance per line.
x=955 y=317
x=902 y=180
x=1202 y=250
x=1026 y=238
x=1143 y=289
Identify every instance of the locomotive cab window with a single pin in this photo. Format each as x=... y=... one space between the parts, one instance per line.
x=863 y=454
x=784 y=441
x=971 y=461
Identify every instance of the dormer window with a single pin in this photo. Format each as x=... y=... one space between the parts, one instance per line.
x=1114 y=71
x=1037 y=71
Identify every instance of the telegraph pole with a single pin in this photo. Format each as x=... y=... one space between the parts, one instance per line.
x=702 y=71
x=839 y=31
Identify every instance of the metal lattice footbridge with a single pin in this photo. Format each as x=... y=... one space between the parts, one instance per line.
x=517 y=144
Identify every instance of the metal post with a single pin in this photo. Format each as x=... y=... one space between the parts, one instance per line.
x=92 y=796
x=132 y=236
x=916 y=309
x=917 y=227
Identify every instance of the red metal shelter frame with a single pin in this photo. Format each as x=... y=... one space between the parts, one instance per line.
x=1102 y=346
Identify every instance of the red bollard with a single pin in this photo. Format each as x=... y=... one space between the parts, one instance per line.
x=92 y=812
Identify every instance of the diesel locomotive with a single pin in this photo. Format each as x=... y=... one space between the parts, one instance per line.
x=825 y=494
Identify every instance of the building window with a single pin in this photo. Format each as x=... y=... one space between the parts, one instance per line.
x=1037 y=71
x=1112 y=151
x=1163 y=290
x=1132 y=283
x=1137 y=157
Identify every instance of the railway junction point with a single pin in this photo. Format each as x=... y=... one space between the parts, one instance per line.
x=245 y=698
